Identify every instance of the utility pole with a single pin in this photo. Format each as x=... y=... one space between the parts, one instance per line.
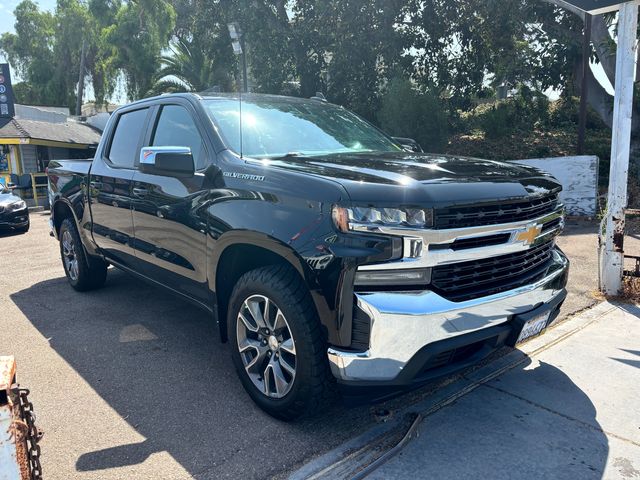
x=613 y=260
x=81 y=79
x=239 y=48
x=244 y=63
x=584 y=87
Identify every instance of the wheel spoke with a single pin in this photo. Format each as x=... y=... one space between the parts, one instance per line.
x=250 y=344
x=288 y=346
x=251 y=327
x=253 y=366
x=280 y=381
x=285 y=365
x=279 y=322
x=254 y=307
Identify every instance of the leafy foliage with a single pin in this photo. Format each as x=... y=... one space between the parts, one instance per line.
x=406 y=112
x=124 y=37
x=524 y=111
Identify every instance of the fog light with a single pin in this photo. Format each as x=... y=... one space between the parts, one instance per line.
x=392 y=277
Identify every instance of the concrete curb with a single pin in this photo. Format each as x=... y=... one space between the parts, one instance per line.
x=347 y=459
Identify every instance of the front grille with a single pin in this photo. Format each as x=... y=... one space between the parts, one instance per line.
x=493 y=214
x=468 y=280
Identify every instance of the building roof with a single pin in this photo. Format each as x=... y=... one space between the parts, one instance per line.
x=67 y=132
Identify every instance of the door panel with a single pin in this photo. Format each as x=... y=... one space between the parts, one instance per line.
x=110 y=189
x=170 y=233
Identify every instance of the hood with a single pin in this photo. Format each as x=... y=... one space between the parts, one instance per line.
x=8 y=198
x=417 y=178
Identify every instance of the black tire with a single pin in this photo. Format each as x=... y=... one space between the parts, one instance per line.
x=90 y=272
x=311 y=388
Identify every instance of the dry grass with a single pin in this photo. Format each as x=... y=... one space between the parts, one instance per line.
x=631 y=290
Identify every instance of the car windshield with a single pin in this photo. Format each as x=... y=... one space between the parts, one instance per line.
x=274 y=128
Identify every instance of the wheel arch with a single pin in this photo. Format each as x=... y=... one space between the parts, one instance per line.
x=241 y=252
x=61 y=210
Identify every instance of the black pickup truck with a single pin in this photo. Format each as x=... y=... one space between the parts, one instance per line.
x=325 y=253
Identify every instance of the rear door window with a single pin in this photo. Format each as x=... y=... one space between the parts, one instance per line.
x=126 y=138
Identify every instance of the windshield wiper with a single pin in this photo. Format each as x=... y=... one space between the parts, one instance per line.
x=287 y=155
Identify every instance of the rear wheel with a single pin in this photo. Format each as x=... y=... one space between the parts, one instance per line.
x=277 y=346
x=83 y=272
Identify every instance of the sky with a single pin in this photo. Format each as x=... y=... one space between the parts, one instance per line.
x=8 y=6
x=7 y=20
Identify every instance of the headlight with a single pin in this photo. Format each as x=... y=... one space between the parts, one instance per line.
x=19 y=205
x=346 y=218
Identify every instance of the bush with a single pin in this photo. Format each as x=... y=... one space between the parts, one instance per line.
x=524 y=111
x=406 y=112
x=499 y=121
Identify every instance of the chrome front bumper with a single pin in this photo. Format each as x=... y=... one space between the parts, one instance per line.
x=403 y=323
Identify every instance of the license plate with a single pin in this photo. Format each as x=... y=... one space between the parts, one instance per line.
x=533 y=327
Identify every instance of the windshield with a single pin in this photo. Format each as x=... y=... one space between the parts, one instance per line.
x=4 y=189
x=279 y=127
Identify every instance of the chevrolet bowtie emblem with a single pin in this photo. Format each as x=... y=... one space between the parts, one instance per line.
x=529 y=235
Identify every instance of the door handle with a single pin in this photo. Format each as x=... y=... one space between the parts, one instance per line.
x=96 y=185
x=140 y=192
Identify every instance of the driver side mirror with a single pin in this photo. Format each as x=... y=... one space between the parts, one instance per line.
x=167 y=161
x=409 y=144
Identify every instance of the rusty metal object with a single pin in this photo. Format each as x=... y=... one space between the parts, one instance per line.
x=33 y=434
x=13 y=452
x=618 y=234
x=636 y=271
x=19 y=437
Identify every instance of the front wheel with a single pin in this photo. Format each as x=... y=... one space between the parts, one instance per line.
x=277 y=346
x=83 y=272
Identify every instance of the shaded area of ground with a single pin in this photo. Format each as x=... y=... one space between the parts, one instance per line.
x=569 y=412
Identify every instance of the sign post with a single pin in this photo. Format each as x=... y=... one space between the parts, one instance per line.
x=7 y=100
x=613 y=259
x=612 y=267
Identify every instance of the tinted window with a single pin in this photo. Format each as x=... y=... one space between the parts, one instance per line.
x=124 y=146
x=176 y=128
x=273 y=127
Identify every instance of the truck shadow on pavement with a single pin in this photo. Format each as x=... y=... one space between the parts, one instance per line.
x=532 y=422
x=156 y=360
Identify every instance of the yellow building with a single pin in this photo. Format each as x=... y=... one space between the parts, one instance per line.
x=35 y=136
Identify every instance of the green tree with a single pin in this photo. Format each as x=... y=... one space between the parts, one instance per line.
x=189 y=69
x=141 y=30
x=407 y=112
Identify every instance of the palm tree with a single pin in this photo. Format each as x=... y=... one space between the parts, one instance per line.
x=189 y=69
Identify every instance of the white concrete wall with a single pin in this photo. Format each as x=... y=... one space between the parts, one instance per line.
x=579 y=178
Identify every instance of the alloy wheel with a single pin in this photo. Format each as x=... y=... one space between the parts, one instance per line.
x=266 y=346
x=69 y=255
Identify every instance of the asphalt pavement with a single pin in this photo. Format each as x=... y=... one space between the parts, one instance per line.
x=130 y=382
